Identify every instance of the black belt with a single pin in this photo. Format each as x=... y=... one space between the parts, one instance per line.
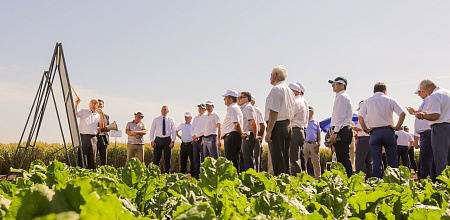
x=209 y=135
x=90 y=135
x=299 y=127
x=439 y=124
x=228 y=134
x=310 y=142
x=373 y=129
x=162 y=137
x=186 y=142
x=424 y=131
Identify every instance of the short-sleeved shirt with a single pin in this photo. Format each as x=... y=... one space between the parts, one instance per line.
x=439 y=103
x=301 y=113
x=132 y=126
x=312 y=130
x=259 y=116
x=234 y=114
x=185 y=132
x=249 y=114
x=88 y=121
x=379 y=110
x=403 y=138
x=210 y=123
x=281 y=99
x=197 y=125
x=422 y=125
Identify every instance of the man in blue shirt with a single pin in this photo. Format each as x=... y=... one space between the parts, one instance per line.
x=312 y=143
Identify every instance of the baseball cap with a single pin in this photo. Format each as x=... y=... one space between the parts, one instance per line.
x=294 y=86
x=338 y=79
x=231 y=92
x=301 y=86
x=209 y=103
x=253 y=98
x=139 y=113
x=311 y=108
x=187 y=114
x=417 y=91
x=201 y=105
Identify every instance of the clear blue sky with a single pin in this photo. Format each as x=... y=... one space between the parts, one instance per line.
x=140 y=55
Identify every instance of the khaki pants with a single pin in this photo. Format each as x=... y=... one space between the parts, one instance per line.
x=309 y=150
x=135 y=150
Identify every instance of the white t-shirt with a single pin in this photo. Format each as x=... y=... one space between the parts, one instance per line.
x=403 y=138
x=234 y=114
x=301 y=113
x=210 y=123
x=379 y=110
x=185 y=132
x=439 y=103
x=88 y=121
x=281 y=99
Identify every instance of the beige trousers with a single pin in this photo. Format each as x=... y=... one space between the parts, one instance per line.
x=135 y=150
x=309 y=151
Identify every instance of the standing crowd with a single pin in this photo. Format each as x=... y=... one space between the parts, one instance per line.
x=292 y=134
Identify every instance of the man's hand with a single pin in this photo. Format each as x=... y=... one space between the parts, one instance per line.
x=333 y=138
x=201 y=145
x=137 y=136
x=396 y=128
x=195 y=138
x=411 y=110
x=316 y=149
x=171 y=144
x=419 y=115
x=268 y=136
x=332 y=148
x=77 y=100
x=153 y=144
x=219 y=144
x=259 y=139
x=100 y=111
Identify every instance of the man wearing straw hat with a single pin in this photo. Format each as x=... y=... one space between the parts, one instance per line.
x=136 y=130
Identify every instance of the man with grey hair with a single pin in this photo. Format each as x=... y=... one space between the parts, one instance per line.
x=298 y=125
x=279 y=105
x=438 y=117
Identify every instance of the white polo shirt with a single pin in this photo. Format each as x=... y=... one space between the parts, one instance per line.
x=259 y=116
x=197 y=125
x=88 y=121
x=210 y=123
x=439 y=103
x=342 y=111
x=234 y=114
x=422 y=125
x=157 y=128
x=281 y=99
x=403 y=138
x=379 y=110
x=249 y=113
x=185 y=132
x=301 y=113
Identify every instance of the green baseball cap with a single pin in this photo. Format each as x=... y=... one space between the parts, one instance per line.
x=339 y=79
x=201 y=105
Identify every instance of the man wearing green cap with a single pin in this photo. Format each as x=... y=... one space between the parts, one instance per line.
x=340 y=123
x=197 y=137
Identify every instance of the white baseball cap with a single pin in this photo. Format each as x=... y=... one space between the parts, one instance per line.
x=187 y=114
x=417 y=91
x=253 y=98
x=209 y=102
x=302 y=87
x=231 y=92
x=294 y=86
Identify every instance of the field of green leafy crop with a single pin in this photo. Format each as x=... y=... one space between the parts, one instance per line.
x=57 y=191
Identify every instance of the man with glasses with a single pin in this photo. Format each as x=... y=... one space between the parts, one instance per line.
x=136 y=130
x=250 y=149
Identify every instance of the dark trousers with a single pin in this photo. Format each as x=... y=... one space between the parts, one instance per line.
x=186 y=150
x=363 y=158
x=89 y=147
x=248 y=153
x=296 y=146
x=403 y=153
x=440 y=142
x=342 y=149
x=279 y=148
x=378 y=138
x=232 y=145
x=427 y=167
x=198 y=157
x=412 y=159
x=160 y=145
x=102 y=149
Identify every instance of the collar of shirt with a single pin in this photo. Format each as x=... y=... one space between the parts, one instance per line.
x=281 y=82
x=340 y=93
x=244 y=105
x=233 y=104
x=436 y=89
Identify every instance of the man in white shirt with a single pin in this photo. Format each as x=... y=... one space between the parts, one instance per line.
x=261 y=129
x=90 y=120
x=422 y=131
x=212 y=132
x=232 y=128
x=136 y=130
x=411 y=155
x=162 y=137
x=303 y=159
x=186 y=148
x=363 y=157
x=376 y=118
x=197 y=137
x=279 y=111
x=438 y=117
x=340 y=123
x=298 y=125
x=404 y=141
x=250 y=149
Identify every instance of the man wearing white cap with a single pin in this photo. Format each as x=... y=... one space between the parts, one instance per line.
x=197 y=137
x=302 y=91
x=298 y=125
x=162 y=137
x=250 y=150
x=340 y=123
x=376 y=118
x=186 y=149
x=438 y=117
x=261 y=129
x=212 y=132
x=232 y=128
x=279 y=109
x=422 y=131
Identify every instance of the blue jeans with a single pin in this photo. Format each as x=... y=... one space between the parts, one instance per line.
x=378 y=138
x=440 y=142
x=403 y=153
x=426 y=161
